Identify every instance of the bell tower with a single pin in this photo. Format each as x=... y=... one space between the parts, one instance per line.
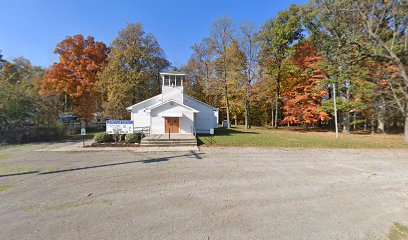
x=172 y=86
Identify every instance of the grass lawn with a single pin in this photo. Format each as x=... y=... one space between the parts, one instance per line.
x=79 y=137
x=264 y=137
x=5 y=187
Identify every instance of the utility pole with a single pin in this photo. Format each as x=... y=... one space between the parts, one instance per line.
x=335 y=110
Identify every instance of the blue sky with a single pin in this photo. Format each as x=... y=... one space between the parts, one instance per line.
x=33 y=28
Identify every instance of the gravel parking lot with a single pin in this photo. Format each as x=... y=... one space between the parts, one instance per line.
x=214 y=193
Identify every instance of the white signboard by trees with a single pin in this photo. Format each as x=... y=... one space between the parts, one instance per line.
x=119 y=126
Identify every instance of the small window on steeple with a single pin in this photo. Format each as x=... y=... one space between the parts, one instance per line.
x=178 y=81
x=166 y=80
x=172 y=80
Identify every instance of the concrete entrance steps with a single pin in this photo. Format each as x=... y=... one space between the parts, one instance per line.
x=162 y=140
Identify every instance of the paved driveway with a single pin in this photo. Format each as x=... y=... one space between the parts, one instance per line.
x=213 y=194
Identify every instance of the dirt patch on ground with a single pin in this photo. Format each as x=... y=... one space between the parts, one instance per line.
x=217 y=193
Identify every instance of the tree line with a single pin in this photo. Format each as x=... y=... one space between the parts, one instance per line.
x=281 y=73
x=90 y=79
x=284 y=72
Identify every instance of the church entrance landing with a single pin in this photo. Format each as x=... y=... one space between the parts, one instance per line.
x=168 y=140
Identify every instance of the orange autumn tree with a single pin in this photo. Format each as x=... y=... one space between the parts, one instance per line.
x=75 y=74
x=304 y=98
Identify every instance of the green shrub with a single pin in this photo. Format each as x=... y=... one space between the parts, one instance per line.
x=118 y=137
x=103 y=137
x=60 y=127
x=132 y=137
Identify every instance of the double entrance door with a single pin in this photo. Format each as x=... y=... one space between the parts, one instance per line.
x=172 y=125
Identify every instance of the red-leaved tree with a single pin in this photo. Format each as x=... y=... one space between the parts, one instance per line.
x=75 y=74
x=303 y=100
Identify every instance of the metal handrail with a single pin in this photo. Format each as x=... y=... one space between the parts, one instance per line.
x=194 y=131
x=145 y=130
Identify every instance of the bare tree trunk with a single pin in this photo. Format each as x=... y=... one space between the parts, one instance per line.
x=272 y=115
x=246 y=114
x=365 y=124
x=354 y=120
x=381 y=116
x=249 y=115
x=276 y=112
x=372 y=124
x=346 y=117
x=227 y=107
x=406 y=127
x=247 y=118
x=406 y=123
x=65 y=102
x=346 y=123
x=277 y=97
x=380 y=125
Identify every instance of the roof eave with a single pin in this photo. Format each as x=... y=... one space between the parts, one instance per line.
x=171 y=100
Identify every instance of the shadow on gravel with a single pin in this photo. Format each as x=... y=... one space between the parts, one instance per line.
x=153 y=160
x=18 y=174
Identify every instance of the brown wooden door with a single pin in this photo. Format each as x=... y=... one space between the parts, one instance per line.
x=172 y=125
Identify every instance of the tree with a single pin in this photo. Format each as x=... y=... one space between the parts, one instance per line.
x=1 y=60
x=75 y=74
x=250 y=46
x=237 y=79
x=367 y=30
x=132 y=73
x=333 y=32
x=384 y=37
x=201 y=74
x=276 y=36
x=221 y=35
x=17 y=98
x=21 y=104
x=304 y=99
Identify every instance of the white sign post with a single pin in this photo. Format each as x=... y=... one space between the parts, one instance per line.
x=83 y=133
x=119 y=126
x=211 y=133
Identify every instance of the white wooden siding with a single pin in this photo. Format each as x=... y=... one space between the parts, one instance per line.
x=158 y=118
x=206 y=118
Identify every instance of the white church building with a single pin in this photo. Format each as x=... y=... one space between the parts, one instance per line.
x=172 y=111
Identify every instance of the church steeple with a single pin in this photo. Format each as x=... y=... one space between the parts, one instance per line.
x=172 y=86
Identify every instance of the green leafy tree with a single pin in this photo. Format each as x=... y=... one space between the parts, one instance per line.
x=351 y=33
x=1 y=60
x=277 y=36
x=221 y=34
x=132 y=74
x=250 y=47
x=334 y=32
x=20 y=102
x=237 y=79
x=201 y=79
x=383 y=37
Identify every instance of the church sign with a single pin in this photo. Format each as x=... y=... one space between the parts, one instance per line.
x=119 y=126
